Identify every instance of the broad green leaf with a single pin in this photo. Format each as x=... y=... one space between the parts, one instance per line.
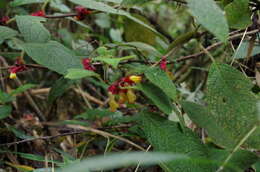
x=80 y=73
x=134 y=32
x=167 y=136
x=141 y=47
x=238 y=14
x=108 y=9
x=59 y=88
x=32 y=29
x=6 y=33
x=22 y=89
x=210 y=16
x=16 y=3
x=159 y=78
x=117 y=160
x=158 y=97
x=231 y=111
x=53 y=55
x=5 y=111
x=113 y=61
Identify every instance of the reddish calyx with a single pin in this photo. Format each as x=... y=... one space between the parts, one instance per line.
x=81 y=12
x=18 y=67
x=163 y=63
x=4 y=20
x=119 y=85
x=39 y=14
x=87 y=64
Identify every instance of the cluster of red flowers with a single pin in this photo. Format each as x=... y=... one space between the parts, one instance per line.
x=119 y=85
x=18 y=67
x=123 y=93
x=87 y=64
x=163 y=63
x=39 y=14
x=81 y=12
x=4 y=20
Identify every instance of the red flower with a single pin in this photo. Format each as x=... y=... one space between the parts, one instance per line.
x=39 y=14
x=81 y=12
x=87 y=64
x=163 y=63
x=18 y=67
x=117 y=86
x=4 y=20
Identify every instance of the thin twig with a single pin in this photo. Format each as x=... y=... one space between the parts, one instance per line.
x=105 y=134
x=42 y=138
x=213 y=46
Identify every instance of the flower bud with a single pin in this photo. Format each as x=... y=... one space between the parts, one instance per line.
x=12 y=76
x=135 y=78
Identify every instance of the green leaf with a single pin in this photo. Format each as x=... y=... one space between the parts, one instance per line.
x=92 y=114
x=159 y=78
x=117 y=160
x=113 y=61
x=53 y=55
x=157 y=96
x=108 y=9
x=59 y=88
x=80 y=73
x=167 y=136
x=232 y=108
x=6 y=33
x=16 y=3
x=22 y=89
x=210 y=16
x=134 y=32
x=5 y=111
x=238 y=14
x=32 y=29
x=141 y=47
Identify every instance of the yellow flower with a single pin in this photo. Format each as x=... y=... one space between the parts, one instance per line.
x=135 y=78
x=12 y=76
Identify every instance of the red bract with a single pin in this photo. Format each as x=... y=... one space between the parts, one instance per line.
x=81 y=12
x=87 y=64
x=4 y=20
x=116 y=87
x=163 y=63
x=39 y=14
